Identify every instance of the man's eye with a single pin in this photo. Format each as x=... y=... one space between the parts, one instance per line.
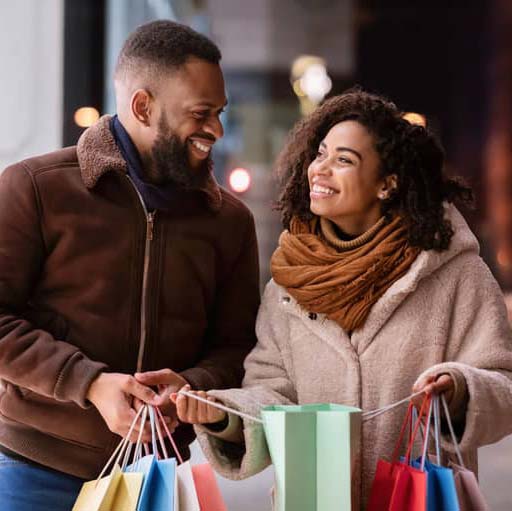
x=200 y=115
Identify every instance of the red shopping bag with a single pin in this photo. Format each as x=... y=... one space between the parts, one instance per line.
x=398 y=486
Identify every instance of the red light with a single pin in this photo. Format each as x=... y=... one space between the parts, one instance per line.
x=240 y=180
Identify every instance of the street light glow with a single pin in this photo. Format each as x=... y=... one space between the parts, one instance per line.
x=240 y=180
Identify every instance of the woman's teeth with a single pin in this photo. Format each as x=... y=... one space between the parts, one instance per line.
x=322 y=189
x=201 y=147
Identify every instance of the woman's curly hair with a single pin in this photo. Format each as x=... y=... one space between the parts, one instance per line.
x=410 y=151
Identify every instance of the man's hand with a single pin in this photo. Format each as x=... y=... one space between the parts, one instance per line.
x=192 y=411
x=443 y=384
x=113 y=394
x=168 y=382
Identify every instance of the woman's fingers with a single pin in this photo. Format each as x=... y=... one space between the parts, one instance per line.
x=182 y=407
x=202 y=409
x=433 y=385
x=194 y=411
x=191 y=409
x=214 y=414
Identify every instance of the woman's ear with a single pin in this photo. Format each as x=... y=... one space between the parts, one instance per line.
x=389 y=185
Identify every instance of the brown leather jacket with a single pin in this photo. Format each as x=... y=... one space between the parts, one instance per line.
x=90 y=282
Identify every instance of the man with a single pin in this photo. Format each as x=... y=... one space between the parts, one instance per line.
x=119 y=256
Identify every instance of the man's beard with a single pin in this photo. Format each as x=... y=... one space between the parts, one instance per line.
x=168 y=161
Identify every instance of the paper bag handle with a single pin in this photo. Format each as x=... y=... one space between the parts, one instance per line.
x=119 y=450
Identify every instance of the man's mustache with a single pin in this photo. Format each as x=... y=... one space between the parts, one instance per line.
x=205 y=136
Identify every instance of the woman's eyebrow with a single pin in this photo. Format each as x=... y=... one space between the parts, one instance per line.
x=339 y=149
x=342 y=148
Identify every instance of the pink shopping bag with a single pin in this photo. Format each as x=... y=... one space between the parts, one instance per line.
x=208 y=492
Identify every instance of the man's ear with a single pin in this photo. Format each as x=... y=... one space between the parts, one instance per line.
x=141 y=105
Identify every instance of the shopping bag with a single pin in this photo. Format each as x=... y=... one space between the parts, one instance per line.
x=208 y=492
x=468 y=491
x=145 y=466
x=441 y=492
x=314 y=449
x=98 y=495
x=159 y=488
x=162 y=481
x=187 y=491
x=116 y=491
x=163 y=487
x=197 y=486
x=127 y=493
x=397 y=486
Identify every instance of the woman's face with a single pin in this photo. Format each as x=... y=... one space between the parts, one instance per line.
x=344 y=179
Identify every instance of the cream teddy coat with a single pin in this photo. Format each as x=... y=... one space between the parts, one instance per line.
x=446 y=314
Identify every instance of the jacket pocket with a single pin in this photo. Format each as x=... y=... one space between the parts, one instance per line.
x=62 y=420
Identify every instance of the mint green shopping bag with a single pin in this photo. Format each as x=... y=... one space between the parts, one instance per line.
x=314 y=449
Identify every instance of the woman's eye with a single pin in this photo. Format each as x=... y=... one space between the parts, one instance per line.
x=319 y=154
x=345 y=160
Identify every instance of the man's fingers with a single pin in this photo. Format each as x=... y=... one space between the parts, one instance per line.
x=138 y=404
x=136 y=389
x=160 y=377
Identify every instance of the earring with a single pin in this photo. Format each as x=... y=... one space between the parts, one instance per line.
x=383 y=195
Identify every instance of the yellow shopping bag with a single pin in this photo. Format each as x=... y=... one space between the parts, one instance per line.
x=128 y=491
x=99 y=495
x=118 y=491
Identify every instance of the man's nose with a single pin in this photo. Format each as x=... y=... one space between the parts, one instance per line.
x=214 y=127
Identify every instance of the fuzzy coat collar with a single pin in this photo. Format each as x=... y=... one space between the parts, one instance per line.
x=426 y=264
x=98 y=154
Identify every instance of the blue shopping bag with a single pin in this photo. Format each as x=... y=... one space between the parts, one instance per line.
x=441 y=490
x=159 y=490
x=163 y=489
x=146 y=466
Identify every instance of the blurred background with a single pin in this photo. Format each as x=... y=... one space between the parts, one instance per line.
x=449 y=66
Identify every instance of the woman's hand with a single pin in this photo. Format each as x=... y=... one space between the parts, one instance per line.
x=442 y=384
x=192 y=411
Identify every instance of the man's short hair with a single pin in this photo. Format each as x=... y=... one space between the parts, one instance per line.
x=161 y=46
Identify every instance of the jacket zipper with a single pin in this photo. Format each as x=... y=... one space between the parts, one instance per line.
x=150 y=223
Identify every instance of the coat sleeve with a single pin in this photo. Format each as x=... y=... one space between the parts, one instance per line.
x=231 y=334
x=267 y=382
x=479 y=348
x=31 y=358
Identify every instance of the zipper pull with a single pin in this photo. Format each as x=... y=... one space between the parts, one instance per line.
x=151 y=223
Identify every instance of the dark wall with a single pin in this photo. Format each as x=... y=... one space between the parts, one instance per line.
x=432 y=58
x=84 y=29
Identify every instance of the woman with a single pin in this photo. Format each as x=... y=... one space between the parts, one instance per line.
x=378 y=290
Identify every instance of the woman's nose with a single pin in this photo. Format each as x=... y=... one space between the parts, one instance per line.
x=322 y=168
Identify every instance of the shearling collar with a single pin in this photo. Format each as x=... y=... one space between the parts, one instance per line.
x=98 y=154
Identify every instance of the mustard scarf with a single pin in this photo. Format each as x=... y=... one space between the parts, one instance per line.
x=341 y=279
